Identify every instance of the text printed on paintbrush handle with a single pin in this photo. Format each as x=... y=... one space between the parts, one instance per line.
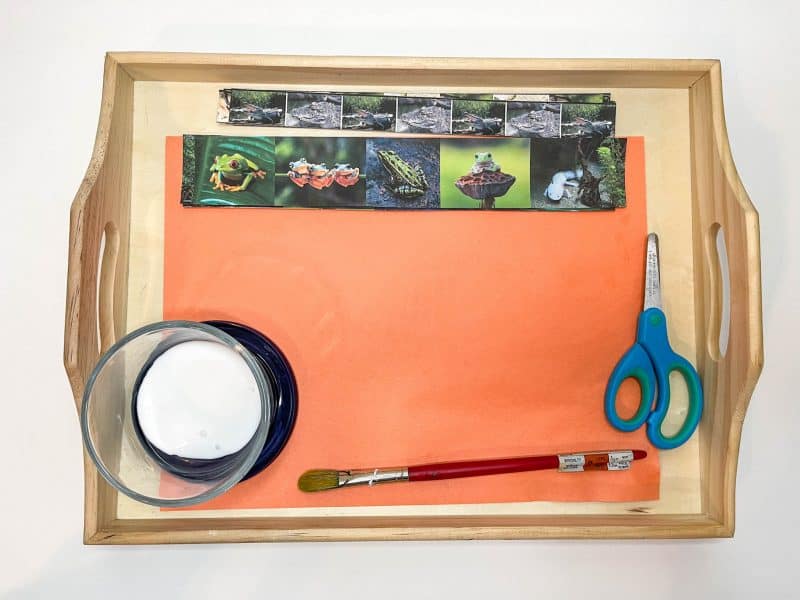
x=611 y=461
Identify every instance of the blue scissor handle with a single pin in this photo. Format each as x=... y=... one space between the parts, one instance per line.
x=634 y=363
x=652 y=334
x=650 y=361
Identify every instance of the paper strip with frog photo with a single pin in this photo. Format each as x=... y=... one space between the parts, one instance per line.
x=585 y=172
x=221 y=170
x=320 y=172
x=579 y=173
x=402 y=173
x=485 y=174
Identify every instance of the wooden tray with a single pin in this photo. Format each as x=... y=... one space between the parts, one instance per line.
x=116 y=266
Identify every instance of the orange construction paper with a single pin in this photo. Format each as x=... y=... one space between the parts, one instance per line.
x=427 y=336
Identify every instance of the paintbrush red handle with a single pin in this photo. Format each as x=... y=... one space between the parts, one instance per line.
x=592 y=461
x=610 y=460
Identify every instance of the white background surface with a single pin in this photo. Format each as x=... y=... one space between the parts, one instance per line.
x=52 y=58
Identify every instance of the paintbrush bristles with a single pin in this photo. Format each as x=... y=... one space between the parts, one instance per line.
x=317 y=480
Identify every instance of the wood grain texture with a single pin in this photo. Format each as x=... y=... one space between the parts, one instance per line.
x=131 y=531
x=720 y=201
x=95 y=307
x=355 y=72
x=669 y=209
x=103 y=204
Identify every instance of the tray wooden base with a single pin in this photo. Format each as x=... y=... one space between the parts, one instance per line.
x=691 y=186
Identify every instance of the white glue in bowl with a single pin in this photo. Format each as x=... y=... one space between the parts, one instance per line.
x=176 y=413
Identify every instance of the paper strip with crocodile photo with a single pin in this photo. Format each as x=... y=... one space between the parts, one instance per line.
x=533 y=119
x=313 y=110
x=585 y=172
x=424 y=115
x=251 y=107
x=579 y=98
x=369 y=112
x=478 y=117
x=547 y=115
x=588 y=120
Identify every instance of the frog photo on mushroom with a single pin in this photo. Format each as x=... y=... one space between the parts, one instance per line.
x=402 y=173
x=485 y=173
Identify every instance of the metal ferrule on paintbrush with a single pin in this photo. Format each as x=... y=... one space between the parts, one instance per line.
x=372 y=476
x=329 y=479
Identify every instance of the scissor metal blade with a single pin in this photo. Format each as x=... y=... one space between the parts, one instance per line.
x=652 y=281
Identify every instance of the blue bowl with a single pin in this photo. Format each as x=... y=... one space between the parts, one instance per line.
x=284 y=388
x=276 y=371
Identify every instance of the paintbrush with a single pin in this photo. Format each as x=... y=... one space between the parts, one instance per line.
x=317 y=480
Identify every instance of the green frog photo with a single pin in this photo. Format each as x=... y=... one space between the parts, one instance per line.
x=484 y=162
x=234 y=172
x=405 y=180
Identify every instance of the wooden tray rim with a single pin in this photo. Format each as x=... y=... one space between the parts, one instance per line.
x=701 y=77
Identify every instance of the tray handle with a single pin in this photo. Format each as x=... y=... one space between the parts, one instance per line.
x=729 y=373
x=99 y=216
x=731 y=216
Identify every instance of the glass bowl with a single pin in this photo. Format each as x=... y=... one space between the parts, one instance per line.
x=114 y=437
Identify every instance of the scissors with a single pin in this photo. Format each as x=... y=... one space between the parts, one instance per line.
x=650 y=361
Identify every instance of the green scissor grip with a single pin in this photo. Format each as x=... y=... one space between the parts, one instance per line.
x=650 y=361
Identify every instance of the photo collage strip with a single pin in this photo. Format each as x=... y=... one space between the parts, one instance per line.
x=545 y=116
x=582 y=173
